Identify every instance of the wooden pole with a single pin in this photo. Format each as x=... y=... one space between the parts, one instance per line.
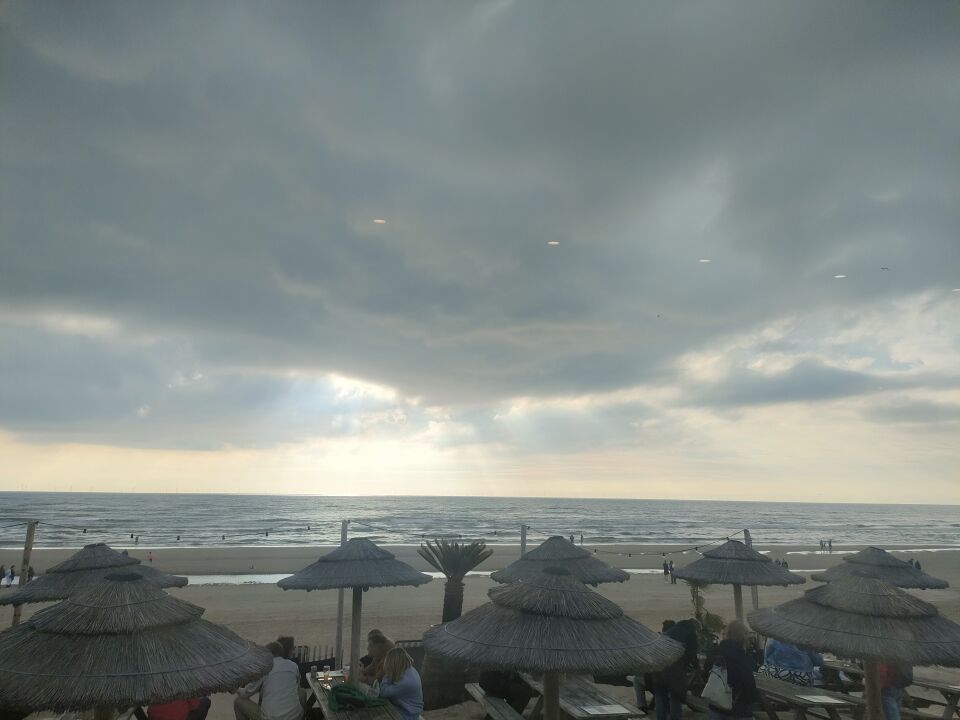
x=339 y=650
x=523 y=540
x=355 y=636
x=871 y=690
x=754 y=595
x=738 y=602
x=24 y=566
x=551 y=696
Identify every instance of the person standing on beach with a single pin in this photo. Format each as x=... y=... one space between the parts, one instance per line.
x=666 y=569
x=150 y=557
x=830 y=545
x=673 y=578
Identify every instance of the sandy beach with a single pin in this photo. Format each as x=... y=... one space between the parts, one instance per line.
x=261 y=612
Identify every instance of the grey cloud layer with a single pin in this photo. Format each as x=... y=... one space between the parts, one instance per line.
x=208 y=175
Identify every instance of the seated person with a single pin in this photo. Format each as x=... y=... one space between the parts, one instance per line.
x=286 y=642
x=280 y=696
x=788 y=662
x=401 y=684
x=195 y=709
x=377 y=648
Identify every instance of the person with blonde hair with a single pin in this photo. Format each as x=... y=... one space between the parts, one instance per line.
x=378 y=645
x=401 y=684
x=732 y=655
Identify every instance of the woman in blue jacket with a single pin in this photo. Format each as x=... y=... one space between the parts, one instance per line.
x=401 y=684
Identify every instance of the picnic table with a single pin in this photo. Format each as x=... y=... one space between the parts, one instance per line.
x=320 y=696
x=950 y=691
x=581 y=699
x=799 y=698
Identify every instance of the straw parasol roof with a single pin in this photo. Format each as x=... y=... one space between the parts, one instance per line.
x=878 y=563
x=122 y=642
x=864 y=618
x=550 y=623
x=733 y=563
x=359 y=563
x=80 y=571
x=557 y=551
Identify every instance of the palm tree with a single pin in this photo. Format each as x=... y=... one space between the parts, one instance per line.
x=454 y=560
x=443 y=680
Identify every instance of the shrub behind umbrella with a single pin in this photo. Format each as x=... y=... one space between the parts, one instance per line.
x=82 y=570
x=559 y=552
x=878 y=563
x=121 y=643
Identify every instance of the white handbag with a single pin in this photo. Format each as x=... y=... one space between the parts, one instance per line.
x=717 y=690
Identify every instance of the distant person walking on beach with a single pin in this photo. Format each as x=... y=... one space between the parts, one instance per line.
x=673 y=578
x=30 y=573
x=830 y=545
x=666 y=569
x=150 y=557
x=784 y=564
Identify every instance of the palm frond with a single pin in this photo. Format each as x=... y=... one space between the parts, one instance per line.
x=454 y=559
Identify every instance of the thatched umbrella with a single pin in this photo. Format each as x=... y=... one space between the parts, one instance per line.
x=878 y=563
x=81 y=570
x=551 y=624
x=557 y=551
x=864 y=618
x=733 y=563
x=122 y=642
x=360 y=565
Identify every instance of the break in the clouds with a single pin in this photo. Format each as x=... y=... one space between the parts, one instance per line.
x=755 y=209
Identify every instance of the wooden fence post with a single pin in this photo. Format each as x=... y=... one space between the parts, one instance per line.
x=339 y=655
x=25 y=566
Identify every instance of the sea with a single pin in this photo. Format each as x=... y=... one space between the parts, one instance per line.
x=195 y=520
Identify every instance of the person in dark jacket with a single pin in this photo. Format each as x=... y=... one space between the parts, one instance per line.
x=732 y=654
x=670 y=684
x=894 y=679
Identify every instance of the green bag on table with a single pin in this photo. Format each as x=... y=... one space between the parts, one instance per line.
x=349 y=697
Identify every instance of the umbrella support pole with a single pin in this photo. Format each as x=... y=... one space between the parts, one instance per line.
x=551 y=696
x=871 y=690
x=738 y=602
x=355 y=622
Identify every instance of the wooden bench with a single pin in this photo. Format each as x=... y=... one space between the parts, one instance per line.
x=497 y=708
x=581 y=699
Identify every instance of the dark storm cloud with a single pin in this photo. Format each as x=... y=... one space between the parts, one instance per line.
x=917 y=412
x=807 y=381
x=211 y=172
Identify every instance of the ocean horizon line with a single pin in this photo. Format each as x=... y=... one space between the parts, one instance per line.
x=145 y=493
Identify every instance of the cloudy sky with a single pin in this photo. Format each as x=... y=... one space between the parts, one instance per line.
x=755 y=291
